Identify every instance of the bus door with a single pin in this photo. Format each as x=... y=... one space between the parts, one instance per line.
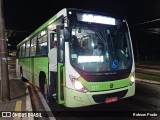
x=60 y=64
x=51 y=38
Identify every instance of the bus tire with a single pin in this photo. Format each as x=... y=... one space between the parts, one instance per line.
x=42 y=78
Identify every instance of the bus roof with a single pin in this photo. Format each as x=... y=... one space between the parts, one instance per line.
x=54 y=18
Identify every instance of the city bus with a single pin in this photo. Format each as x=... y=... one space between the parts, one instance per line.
x=84 y=78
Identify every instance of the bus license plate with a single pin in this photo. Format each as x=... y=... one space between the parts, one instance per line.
x=112 y=99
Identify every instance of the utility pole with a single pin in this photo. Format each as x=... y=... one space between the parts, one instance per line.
x=5 y=89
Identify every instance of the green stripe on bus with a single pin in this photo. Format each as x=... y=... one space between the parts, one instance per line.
x=104 y=86
x=60 y=83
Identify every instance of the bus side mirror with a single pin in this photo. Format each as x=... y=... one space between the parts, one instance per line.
x=65 y=30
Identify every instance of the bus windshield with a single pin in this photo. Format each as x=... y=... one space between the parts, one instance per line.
x=97 y=48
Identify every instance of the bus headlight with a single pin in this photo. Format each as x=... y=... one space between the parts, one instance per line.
x=132 y=80
x=77 y=84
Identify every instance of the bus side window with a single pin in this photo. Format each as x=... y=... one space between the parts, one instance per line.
x=23 y=50
x=27 y=48
x=20 y=51
x=53 y=37
x=33 y=46
x=42 y=45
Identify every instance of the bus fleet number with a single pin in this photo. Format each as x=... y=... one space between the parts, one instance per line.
x=95 y=87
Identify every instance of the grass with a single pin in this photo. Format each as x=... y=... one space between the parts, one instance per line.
x=147 y=77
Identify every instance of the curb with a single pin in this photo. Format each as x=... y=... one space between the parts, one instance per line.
x=28 y=103
x=148 y=81
x=46 y=107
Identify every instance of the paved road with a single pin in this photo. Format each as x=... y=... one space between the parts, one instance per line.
x=152 y=70
x=146 y=99
x=155 y=67
x=148 y=71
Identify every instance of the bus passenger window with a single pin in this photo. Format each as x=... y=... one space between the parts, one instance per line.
x=42 y=45
x=33 y=47
x=23 y=50
x=43 y=48
x=27 y=48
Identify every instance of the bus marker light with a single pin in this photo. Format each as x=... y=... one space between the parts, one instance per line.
x=133 y=79
x=62 y=85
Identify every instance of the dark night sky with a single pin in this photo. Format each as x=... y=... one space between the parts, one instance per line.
x=22 y=14
x=25 y=16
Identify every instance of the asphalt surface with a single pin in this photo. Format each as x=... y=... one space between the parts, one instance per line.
x=151 y=70
x=148 y=71
x=146 y=100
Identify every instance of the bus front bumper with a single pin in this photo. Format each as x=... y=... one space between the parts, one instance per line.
x=75 y=98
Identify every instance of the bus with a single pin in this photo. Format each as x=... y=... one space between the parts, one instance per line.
x=84 y=78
